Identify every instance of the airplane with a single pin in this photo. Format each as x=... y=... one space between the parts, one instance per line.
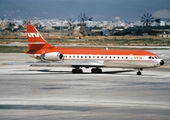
x=94 y=58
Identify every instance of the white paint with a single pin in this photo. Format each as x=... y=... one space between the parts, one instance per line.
x=33 y=34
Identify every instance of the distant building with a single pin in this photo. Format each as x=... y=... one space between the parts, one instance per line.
x=163 y=23
x=2 y=26
x=164 y=35
x=85 y=31
x=48 y=27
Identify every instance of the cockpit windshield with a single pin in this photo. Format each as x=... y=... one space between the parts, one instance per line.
x=153 y=57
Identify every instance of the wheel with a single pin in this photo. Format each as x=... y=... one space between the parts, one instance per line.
x=96 y=70
x=73 y=70
x=93 y=71
x=77 y=71
x=80 y=71
x=139 y=73
x=99 y=70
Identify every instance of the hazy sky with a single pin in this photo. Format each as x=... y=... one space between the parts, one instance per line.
x=98 y=9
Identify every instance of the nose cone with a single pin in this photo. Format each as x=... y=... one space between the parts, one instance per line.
x=162 y=62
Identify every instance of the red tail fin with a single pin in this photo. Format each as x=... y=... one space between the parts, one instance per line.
x=35 y=40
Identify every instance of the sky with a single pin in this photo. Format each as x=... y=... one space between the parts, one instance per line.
x=71 y=9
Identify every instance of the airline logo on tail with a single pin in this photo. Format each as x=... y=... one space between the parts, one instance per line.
x=33 y=34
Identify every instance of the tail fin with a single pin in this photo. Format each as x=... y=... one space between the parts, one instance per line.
x=35 y=40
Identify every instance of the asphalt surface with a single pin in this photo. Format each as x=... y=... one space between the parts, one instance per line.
x=54 y=93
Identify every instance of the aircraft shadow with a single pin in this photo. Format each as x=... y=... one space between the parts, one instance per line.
x=48 y=71
x=105 y=72
x=48 y=107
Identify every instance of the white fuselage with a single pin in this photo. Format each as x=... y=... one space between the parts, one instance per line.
x=115 y=61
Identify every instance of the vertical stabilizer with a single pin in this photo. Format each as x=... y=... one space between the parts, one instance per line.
x=35 y=40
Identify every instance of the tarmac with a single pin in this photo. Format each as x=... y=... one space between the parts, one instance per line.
x=54 y=93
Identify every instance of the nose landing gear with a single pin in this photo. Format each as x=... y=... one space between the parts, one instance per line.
x=162 y=62
x=139 y=71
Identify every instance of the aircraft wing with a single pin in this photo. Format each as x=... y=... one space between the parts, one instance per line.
x=61 y=63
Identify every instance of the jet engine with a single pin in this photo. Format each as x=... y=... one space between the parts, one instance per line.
x=53 y=56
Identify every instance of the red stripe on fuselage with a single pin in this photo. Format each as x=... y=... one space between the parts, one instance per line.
x=92 y=51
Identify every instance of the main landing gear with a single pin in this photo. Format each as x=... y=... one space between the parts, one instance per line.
x=79 y=70
x=139 y=71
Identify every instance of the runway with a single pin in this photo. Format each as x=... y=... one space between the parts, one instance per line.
x=52 y=93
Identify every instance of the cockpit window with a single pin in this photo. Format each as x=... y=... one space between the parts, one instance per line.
x=150 y=57
x=156 y=57
x=153 y=57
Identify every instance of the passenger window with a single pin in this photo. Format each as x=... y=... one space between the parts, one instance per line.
x=150 y=57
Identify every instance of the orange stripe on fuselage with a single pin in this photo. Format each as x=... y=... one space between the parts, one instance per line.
x=95 y=51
